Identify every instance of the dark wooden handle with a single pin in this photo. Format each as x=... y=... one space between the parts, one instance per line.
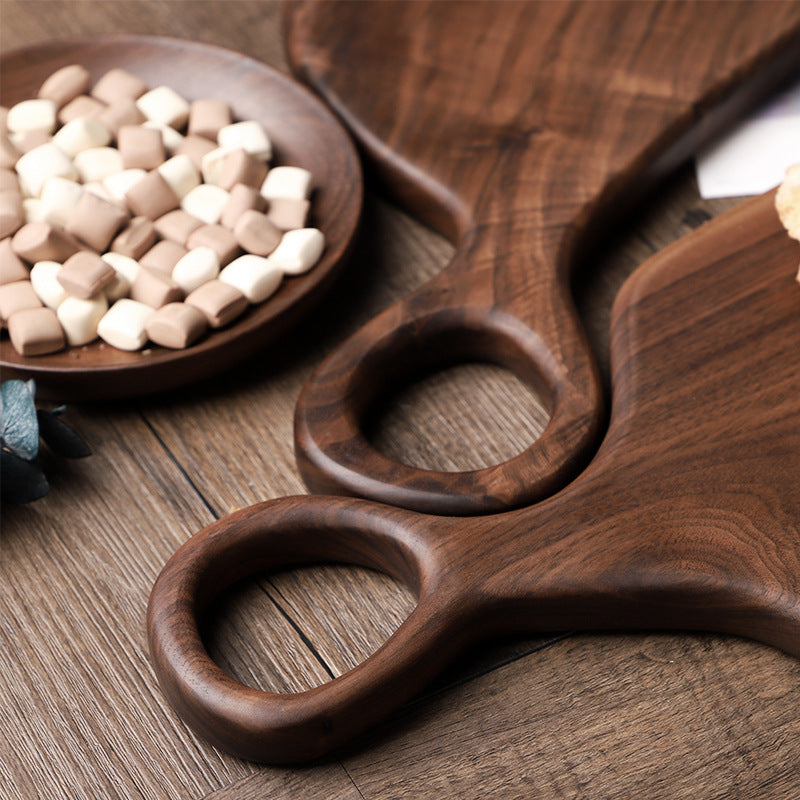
x=435 y=327
x=284 y=728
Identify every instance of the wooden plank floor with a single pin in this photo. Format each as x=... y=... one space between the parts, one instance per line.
x=571 y=716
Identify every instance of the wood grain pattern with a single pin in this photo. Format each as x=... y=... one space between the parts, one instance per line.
x=675 y=716
x=521 y=131
x=686 y=518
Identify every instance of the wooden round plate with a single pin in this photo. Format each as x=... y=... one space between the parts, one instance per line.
x=303 y=133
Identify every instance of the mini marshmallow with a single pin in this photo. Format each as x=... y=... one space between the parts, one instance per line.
x=59 y=197
x=211 y=164
x=81 y=133
x=123 y=265
x=177 y=225
x=32 y=210
x=169 y=136
x=9 y=181
x=176 y=325
x=151 y=196
x=43 y=162
x=98 y=189
x=195 y=268
x=221 y=240
x=85 y=274
x=195 y=147
x=140 y=147
x=154 y=289
x=79 y=318
x=81 y=106
x=257 y=278
x=299 y=250
x=15 y=297
x=97 y=163
x=205 y=202
x=45 y=283
x=23 y=142
x=164 y=105
x=32 y=115
x=117 y=185
x=95 y=221
x=287 y=182
x=256 y=234
x=239 y=166
x=138 y=236
x=35 y=332
x=181 y=174
x=220 y=302
x=12 y=268
x=9 y=154
x=207 y=116
x=249 y=135
x=163 y=256
x=12 y=214
x=121 y=112
x=116 y=84
x=40 y=241
x=288 y=213
x=240 y=200
x=66 y=84
x=123 y=325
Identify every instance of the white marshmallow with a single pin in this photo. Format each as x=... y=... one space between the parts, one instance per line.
x=299 y=250
x=123 y=325
x=45 y=284
x=80 y=134
x=124 y=265
x=32 y=209
x=248 y=135
x=255 y=277
x=172 y=139
x=79 y=318
x=287 y=182
x=97 y=163
x=43 y=162
x=165 y=106
x=211 y=163
x=180 y=173
x=119 y=182
x=199 y=265
x=206 y=202
x=32 y=115
x=59 y=196
x=98 y=189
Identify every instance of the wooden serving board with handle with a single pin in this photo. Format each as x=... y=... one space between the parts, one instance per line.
x=687 y=517
x=523 y=131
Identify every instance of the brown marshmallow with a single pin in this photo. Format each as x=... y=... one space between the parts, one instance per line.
x=15 y=297
x=239 y=166
x=12 y=268
x=9 y=180
x=95 y=221
x=256 y=234
x=40 y=241
x=195 y=147
x=163 y=256
x=66 y=84
x=154 y=289
x=151 y=196
x=219 y=302
x=117 y=84
x=12 y=214
x=135 y=239
x=240 y=199
x=85 y=274
x=207 y=116
x=176 y=325
x=119 y=114
x=81 y=106
x=288 y=213
x=221 y=240
x=9 y=152
x=141 y=148
x=177 y=225
x=36 y=332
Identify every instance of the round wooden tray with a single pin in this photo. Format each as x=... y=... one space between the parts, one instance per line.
x=303 y=133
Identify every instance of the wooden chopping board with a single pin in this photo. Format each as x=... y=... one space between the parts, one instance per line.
x=523 y=131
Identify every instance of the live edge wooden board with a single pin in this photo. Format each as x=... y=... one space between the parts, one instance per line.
x=523 y=131
x=686 y=517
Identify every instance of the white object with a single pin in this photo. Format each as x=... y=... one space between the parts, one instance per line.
x=753 y=157
x=124 y=265
x=79 y=318
x=180 y=173
x=43 y=162
x=172 y=139
x=32 y=209
x=97 y=163
x=199 y=265
x=211 y=163
x=123 y=325
x=118 y=183
x=206 y=202
x=165 y=106
x=80 y=134
x=292 y=182
x=59 y=196
x=32 y=115
x=255 y=277
x=299 y=250
x=45 y=284
x=248 y=135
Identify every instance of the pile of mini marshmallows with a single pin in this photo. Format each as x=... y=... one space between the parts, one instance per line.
x=787 y=203
x=133 y=215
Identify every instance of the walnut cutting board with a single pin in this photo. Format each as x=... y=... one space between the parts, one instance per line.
x=523 y=131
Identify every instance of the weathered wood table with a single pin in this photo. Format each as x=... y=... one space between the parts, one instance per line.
x=568 y=715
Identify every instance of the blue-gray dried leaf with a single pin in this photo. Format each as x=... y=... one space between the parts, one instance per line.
x=21 y=481
x=20 y=427
x=59 y=436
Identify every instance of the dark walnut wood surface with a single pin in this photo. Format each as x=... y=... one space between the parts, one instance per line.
x=563 y=715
